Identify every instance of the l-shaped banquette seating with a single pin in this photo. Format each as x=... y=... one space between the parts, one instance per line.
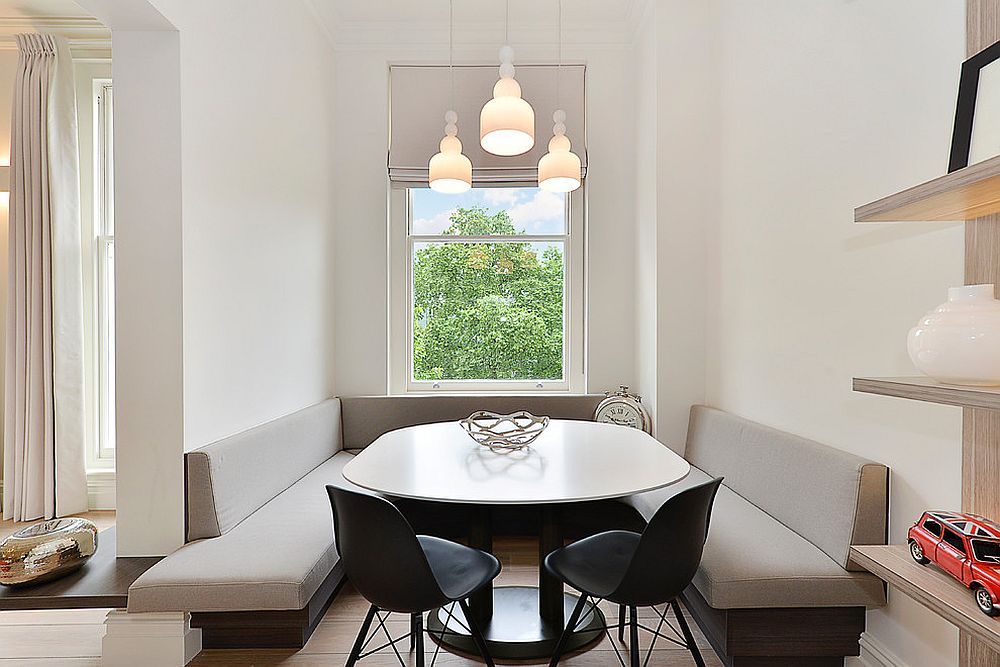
x=776 y=585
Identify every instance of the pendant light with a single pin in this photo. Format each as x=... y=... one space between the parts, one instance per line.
x=559 y=170
x=449 y=171
x=507 y=122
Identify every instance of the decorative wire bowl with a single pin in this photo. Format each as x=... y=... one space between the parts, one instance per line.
x=504 y=433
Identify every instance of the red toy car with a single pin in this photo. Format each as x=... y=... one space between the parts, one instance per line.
x=967 y=547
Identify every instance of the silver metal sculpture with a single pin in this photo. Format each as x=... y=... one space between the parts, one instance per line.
x=46 y=551
x=504 y=433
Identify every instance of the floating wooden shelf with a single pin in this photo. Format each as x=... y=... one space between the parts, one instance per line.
x=930 y=587
x=931 y=391
x=102 y=582
x=965 y=194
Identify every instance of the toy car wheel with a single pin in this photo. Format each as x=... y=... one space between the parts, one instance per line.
x=985 y=602
x=917 y=552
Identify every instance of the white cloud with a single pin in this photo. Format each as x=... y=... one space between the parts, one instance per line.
x=501 y=196
x=544 y=207
x=434 y=225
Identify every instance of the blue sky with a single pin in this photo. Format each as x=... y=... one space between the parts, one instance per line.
x=531 y=209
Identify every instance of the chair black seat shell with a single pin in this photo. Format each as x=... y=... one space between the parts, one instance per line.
x=399 y=571
x=640 y=569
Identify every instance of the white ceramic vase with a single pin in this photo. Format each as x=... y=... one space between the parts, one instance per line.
x=959 y=341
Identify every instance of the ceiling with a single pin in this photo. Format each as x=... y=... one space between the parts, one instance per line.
x=41 y=9
x=415 y=21
x=480 y=11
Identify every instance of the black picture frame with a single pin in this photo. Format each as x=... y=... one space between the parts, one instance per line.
x=965 y=111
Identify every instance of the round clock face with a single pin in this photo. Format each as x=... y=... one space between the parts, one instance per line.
x=621 y=413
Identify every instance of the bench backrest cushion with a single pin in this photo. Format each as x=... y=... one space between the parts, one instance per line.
x=830 y=497
x=229 y=480
x=368 y=417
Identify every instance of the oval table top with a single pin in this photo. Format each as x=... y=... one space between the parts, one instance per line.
x=571 y=461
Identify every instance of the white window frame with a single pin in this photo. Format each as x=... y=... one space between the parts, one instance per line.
x=104 y=240
x=400 y=316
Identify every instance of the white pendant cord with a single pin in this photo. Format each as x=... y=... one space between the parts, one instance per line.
x=559 y=61
x=451 y=48
x=506 y=23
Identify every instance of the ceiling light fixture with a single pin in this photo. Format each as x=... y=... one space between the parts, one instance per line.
x=449 y=171
x=559 y=170
x=507 y=122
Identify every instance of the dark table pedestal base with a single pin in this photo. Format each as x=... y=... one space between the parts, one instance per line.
x=516 y=631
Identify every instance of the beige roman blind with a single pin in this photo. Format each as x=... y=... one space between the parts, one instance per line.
x=420 y=95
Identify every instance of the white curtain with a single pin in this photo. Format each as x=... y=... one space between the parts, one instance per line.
x=44 y=471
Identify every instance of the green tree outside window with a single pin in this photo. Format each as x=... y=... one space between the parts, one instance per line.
x=487 y=311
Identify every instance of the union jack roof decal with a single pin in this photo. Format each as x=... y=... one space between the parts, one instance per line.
x=970 y=525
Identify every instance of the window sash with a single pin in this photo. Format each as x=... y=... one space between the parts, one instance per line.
x=104 y=444
x=401 y=303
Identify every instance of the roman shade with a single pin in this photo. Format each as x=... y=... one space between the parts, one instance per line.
x=420 y=95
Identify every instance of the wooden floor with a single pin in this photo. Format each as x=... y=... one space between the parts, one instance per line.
x=73 y=638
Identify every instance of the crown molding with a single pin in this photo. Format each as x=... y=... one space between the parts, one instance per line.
x=352 y=35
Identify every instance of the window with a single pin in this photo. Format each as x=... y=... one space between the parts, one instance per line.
x=487 y=290
x=953 y=540
x=933 y=527
x=104 y=270
x=988 y=552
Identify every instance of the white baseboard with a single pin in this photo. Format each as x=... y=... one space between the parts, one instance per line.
x=875 y=654
x=163 y=639
x=101 y=489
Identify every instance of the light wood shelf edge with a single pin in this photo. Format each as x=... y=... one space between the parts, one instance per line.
x=931 y=391
x=965 y=194
x=930 y=587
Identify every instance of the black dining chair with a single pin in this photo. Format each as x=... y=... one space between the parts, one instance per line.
x=640 y=569
x=399 y=571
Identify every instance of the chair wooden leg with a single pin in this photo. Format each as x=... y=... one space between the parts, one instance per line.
x=621 y=623
x=352 y=659
x=574 y=618
x=688 y=637
x=417 y=637
x=477 y=634
x=633 y=636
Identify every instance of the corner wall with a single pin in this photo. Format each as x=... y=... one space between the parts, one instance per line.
x=256 y=108
x=826 y=105
x=675 y=190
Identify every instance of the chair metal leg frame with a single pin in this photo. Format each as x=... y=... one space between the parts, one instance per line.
x=632 y=622
x=477 y=634
x=415 y=635
x=472 y=628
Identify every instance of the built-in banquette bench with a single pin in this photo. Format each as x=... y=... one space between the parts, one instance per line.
x=260 y=566
x=776 y=585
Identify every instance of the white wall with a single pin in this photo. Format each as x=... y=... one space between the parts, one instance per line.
x=677 y=152
x=360 y=140
x=256 y=111
x=826 y=105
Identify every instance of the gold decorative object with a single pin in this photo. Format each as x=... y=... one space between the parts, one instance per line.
x=504 y=433
x=46 y=551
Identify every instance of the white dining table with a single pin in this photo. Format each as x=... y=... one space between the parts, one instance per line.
x=570 y=462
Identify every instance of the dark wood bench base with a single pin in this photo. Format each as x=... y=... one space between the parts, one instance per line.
x=268 y=629
x=807 y=637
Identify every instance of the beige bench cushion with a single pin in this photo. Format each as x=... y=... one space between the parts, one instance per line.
x=752 y=560
x=275 y=559
x=229 y=479
x=368 y=417
x=831 y=498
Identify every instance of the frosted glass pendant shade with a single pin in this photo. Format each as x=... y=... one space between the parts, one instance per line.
x=507 y=122
x=559 y=170
x=449 y=171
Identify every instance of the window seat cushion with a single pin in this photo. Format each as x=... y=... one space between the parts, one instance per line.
x=275 y=559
